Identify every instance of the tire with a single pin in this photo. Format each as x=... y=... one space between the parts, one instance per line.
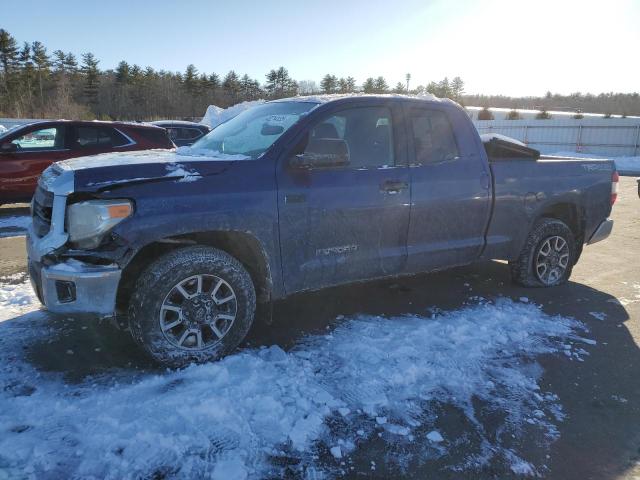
x=527 y=270
x=208 y=287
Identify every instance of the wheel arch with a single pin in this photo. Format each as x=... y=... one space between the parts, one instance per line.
x=243 y=246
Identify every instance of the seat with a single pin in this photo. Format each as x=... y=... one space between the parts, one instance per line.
x=325 y=130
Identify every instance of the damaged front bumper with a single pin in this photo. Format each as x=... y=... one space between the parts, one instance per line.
x=75 y=287
x=67 y=286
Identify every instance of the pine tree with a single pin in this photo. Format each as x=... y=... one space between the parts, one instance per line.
x=444 y=89
x=122 y=73
x=380 y=85
x=432 y=88
x=42 y=64
x=91 y=75
x=369 y=85
x=27 y=81
x=190 y=79
x=9 y=65
x=351 y=84
x=399 y=88
x=58 y=62
x=231 y=86
x=280 y=84
x=70 y=63
x=329 y=83
x=457 y=89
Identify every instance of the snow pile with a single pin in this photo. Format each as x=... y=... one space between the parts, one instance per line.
x=624 y=165
x=9 y=226
x=16 y=297
x=371 y=378
x=214 y=115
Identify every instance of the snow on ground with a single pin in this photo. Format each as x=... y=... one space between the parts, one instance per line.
x=624 y=165
x=370 y=381
x=15 y=224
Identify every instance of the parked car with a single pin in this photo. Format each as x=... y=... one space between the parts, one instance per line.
x=27 y=150
x=183 y=133
x=302 y=194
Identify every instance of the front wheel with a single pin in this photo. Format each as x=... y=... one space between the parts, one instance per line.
x=192 y=305
x=547 y=257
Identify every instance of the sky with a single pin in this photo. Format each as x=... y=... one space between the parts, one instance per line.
x=507 y=47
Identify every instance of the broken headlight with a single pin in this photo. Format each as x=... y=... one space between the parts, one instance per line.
x=88 y=222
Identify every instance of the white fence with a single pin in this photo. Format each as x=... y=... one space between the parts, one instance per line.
x=616 y=137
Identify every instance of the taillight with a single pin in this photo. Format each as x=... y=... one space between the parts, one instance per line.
x=614 y=186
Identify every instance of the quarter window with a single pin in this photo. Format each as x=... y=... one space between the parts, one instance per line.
x=433 y=137
x=366 y=131
x=51 y=138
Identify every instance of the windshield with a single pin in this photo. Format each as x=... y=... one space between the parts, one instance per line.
x=253 y=131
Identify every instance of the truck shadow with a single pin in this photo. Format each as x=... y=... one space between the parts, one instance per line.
x=600 y=395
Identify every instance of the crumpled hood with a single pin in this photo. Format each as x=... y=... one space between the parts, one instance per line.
x=119 y=168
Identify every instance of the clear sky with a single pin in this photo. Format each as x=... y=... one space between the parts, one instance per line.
x=509 y=47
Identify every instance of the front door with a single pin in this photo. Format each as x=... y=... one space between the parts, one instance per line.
x=343 y=223
x=35 y=149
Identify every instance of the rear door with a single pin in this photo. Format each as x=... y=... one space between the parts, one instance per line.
x=37 y=147
x=345 y=223
x=450 y=195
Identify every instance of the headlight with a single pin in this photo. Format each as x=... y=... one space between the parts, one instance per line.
x=88 y=222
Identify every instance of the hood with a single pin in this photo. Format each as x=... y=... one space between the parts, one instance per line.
x=121 y=168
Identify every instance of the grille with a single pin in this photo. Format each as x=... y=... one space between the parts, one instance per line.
x=42 y=207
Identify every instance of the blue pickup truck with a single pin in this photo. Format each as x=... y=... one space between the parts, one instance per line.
x=301 y=194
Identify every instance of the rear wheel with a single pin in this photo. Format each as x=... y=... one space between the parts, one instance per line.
x=547 y=257
x=192 y=305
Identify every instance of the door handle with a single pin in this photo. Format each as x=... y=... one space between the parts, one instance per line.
x=393 y=187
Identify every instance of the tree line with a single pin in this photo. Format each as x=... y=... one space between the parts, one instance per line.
x=37 y=84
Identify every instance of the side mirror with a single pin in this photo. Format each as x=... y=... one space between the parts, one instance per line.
x=8 y=147
x=323 y=153
x=271 y=129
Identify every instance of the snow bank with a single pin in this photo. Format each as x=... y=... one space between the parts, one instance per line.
x=625 y=165
x=309 y=408
x=214 y=115
x=16 y=297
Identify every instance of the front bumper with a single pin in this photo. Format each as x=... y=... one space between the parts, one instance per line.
x=73 y=287
x=602 y=232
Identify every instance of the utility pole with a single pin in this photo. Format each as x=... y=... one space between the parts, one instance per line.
x=408 y=77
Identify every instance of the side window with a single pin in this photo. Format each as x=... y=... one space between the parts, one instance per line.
x=51 y=138
x=98 y=137
x=188 y=133
x=366 y=132
x=433 y=137
x=173 y=133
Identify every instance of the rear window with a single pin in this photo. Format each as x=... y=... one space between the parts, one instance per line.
x=433 y=137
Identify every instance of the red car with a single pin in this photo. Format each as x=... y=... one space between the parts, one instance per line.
x=27 y=150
